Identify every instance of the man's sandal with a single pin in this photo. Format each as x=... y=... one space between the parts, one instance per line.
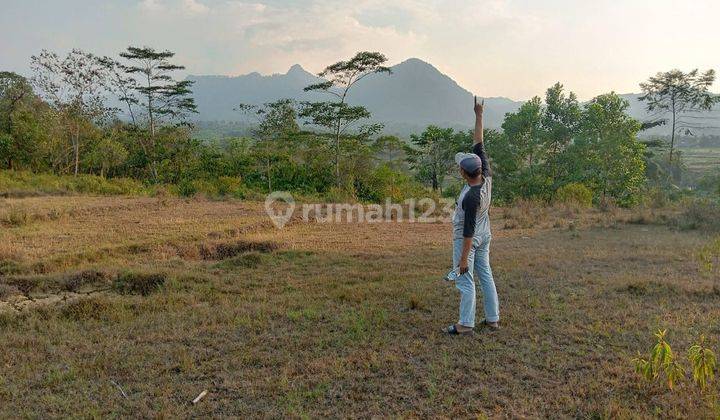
x=493 y=326
x=452 y=330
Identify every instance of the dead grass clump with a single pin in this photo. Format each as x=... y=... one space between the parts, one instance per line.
x=7 y=290
x=16 y=216
x=524 y=214
x=24 y=284
x=137 y=249
x=9 y=267
x=73 y=282
x=415 y=303
x=95 y=308
x=646 y=216
x=138 y=283
x=650 y=288
x=221 y=251
x=608 y=205
x=188 y=252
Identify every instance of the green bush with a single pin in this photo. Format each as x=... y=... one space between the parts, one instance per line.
x=185 y=188
x=452 y=190
x=228 y=186
x=384 y=182
x=574 y=193
x=205 y=187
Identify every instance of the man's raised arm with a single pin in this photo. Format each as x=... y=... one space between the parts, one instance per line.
x=478 y=136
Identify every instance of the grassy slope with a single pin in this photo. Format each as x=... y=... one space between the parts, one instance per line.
x=342 y=320
x=701 y=160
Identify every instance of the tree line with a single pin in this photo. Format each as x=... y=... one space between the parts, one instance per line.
x=130 y=117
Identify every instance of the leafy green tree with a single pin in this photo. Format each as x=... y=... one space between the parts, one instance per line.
x=523 y=160
x=682 y=96
x=391 y=151
x=661 y=172
x=336 y=115
x=433 y=155
x=165 y=100
x=107 y=154
x=76 y=87
x=21 y=128
x=611 y=157
x=277 y=125
x=560 y=121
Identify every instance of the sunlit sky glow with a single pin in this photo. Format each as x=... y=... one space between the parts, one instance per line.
x=513 y=48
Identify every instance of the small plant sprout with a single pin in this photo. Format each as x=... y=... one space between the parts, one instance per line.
x=661 y=360
x=674 y=372
x=644 y=368
x=703 y=362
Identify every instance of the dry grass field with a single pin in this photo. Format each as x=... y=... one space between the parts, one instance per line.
x=132 y=307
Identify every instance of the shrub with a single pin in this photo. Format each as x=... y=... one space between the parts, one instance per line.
x=709 y=256
x=574 y=193
x=231 y=186
x=186 y=188
x=383 y=183
x=656 y=198
x=700 y=214
x=205 y=187
x=339 y=195
x=220 y=251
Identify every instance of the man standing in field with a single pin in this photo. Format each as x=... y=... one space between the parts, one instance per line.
x=471 y=235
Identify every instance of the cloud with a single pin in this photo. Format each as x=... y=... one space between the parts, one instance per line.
x=321 y=31
x=193 y=7
x=151 y=5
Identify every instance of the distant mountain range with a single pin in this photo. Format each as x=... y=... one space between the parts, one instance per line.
x=415 y=95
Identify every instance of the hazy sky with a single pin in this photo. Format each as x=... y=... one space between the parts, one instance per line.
x=513 y=48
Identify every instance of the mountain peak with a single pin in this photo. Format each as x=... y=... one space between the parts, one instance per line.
x=296 y=69
x=416 y=63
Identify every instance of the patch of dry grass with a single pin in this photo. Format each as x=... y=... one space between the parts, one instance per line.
x=340 y=320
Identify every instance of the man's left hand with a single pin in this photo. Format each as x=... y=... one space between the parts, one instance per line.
x=463 y=267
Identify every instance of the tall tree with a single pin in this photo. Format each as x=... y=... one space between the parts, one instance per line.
x=682 y=96
x=526 y=152
x=75 y=86
x=337 y=115
x=433 y=156
x=610 y=155
x=277 y=121
x=124 y=86
x=560 y=121
x=392 y=151
x=16 y=96
x=164 y=98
